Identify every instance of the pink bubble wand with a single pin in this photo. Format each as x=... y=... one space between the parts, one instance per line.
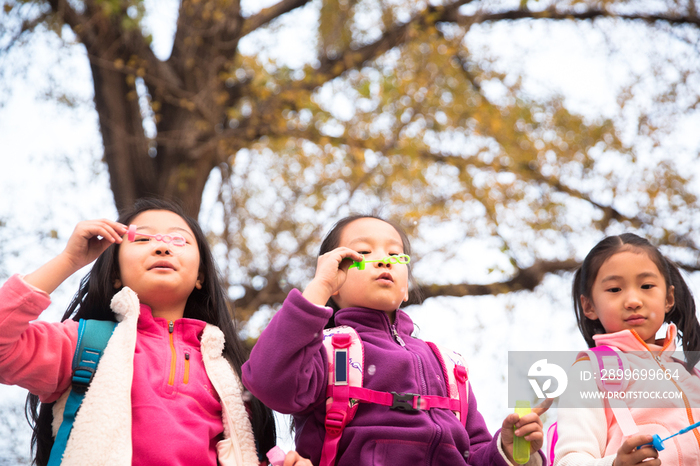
x=276 y=456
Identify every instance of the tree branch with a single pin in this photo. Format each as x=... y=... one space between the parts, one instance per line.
x=268 y=14
x=609 y=212
x=331 y=68
x=524 y=279
x=554 y=14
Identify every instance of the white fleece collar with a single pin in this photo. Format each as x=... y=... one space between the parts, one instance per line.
x=101 y=433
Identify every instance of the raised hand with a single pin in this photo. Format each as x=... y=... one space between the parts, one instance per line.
x=331 y=272
x=88 y=240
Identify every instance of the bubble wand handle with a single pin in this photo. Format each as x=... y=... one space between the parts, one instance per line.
x=276 y=456
x=521 y=447
x=658 y=442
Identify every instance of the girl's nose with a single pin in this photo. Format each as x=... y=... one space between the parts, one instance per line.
x=163 y=251
x=383 y=264
x=632 y=301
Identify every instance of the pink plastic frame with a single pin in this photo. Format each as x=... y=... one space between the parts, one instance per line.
x=175 y=239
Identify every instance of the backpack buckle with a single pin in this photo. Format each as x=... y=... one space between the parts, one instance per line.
x=82 y=376
x=404 y=401
x=335 y=422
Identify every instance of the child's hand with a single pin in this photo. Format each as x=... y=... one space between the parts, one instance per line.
x=331 y=272
x=293 y=459
x=628 y=455
x=84 y=246
x=528 y=426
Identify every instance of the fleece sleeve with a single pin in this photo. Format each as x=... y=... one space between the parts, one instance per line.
x=582 y=431
x=484 y=448
x=287 y=369
x=36 y=356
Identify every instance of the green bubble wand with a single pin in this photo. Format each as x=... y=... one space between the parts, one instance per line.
x=398 y=259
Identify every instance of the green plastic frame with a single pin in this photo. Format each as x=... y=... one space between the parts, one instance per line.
x=399 y=259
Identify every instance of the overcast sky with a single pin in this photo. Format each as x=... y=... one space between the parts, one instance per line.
x=56 y=177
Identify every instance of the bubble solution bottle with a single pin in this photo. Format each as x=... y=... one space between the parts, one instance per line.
x=521 y=447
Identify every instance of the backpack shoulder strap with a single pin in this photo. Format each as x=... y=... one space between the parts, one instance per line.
x=346 y=358
x=456 y=374
x=607 y=361
x=93 y=336
x=344 y=392
x=552 y=437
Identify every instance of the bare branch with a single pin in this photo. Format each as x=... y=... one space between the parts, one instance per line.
x=609 y=212
x=524 y=279
x=331 y=68
x=28 y=26
x=268 y=14
x=554 y=14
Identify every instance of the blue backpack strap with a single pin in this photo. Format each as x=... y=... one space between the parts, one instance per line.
x=93 y=336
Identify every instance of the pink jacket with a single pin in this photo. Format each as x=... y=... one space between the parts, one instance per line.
x=160 y=394
x=591 y=437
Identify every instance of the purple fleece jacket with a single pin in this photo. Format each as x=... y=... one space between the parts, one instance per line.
x=288 y=371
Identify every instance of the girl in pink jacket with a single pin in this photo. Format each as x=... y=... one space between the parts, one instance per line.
x=623 y=293
x=167 y=389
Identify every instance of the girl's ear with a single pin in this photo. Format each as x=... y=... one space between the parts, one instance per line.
x=588 y=308
x=200 y=280
x=117 y=284
x=670 y=298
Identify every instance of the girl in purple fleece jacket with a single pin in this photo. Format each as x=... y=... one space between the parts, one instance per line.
x=288 y=367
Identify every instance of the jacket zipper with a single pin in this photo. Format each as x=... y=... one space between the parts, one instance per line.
x=688 y=411
x=657 y=358
x=187 y=368
x=397 y=337
x=173 y=355
x=424 y=388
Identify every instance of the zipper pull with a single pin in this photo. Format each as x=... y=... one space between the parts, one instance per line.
x=186 y=378
x=397 y=337
x=171 y=326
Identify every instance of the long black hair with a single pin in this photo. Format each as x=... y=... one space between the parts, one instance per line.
x=332 y=241
x=209 y=304
x=682 y=313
